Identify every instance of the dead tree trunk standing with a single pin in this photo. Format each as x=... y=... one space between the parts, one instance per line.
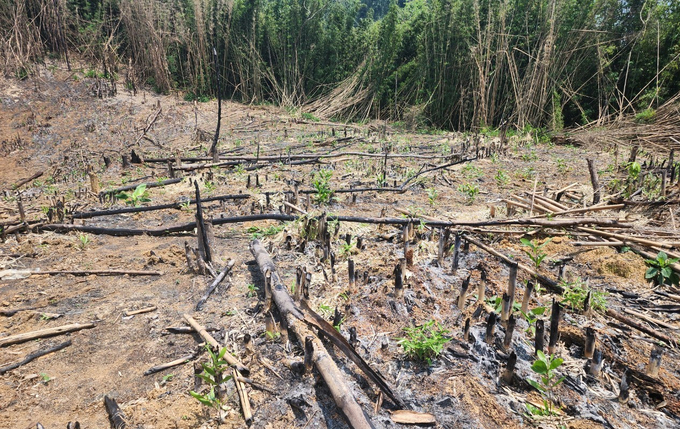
x=203 y=245
x=213 y=149
x=594 y=180
x=301 y=323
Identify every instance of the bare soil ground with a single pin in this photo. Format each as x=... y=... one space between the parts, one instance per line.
x=52 y=123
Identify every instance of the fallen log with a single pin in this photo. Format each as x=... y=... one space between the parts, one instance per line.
x=43 y=333
x=324 y=363
x=177 y=205
x=99 y=273
x=135 y=185
x=22 y=182
x=302 y=322
x=33 y=356
x=116 y=415
x=186 y=227
x=127 y=313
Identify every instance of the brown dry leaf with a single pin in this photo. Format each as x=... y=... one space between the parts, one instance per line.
x=408 y=417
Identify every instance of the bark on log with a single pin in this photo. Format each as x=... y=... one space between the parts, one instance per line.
x=43 y=333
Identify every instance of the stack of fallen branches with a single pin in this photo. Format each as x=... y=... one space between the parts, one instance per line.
x=659 y=133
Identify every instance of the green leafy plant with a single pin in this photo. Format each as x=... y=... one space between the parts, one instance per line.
x=139 y=195
x=575 y=294
x=424 y=342
x=84 y=241
x=501 y=178
x=545 y=367
x=45 y=378
x=309 y=117
x=209 y=186
x=530 y=157
x=320 y=182
x=325 y=309
x=647 y=116
x=531 y=317
x=471 y=171
x=535 y=252
x=497 y=303
x=213 y=375
x=470 y=191
x=633 y=169
x=257 y=232
x=252 y=290
x=562 y=165
x=660 y=270
x=432 y=195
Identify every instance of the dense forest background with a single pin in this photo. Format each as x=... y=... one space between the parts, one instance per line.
x=457 y=64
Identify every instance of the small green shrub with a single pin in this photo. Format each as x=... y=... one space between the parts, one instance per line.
x=545 y=367
x=575 y=294
x=660 y=270
x=309 y=117
x=139 y=195
x=535 y=252
x=257 y=232
x=213 y=374
x=470 y=191
x=321 y=183
x=432 y=195
x=501 y=178
x=424 y=342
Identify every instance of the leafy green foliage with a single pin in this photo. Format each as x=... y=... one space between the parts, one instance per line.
x=545 y=367
x=575 y=294
x=531 y=317
x=535 y=251
x=432 y=195
x=257 y=232
x=660 y=270
x=139 y=195
x=321 y=183
x=424 y=342
x=470 y=191
x=501 y=178
x=213 y=375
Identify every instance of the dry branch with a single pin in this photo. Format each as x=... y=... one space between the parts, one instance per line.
x=33 y=356
x=214 y=284
x=176 y=362
x=177 y=205
x=640 y=327
x=549 y=283
x=231 y=360
x=42 y=333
